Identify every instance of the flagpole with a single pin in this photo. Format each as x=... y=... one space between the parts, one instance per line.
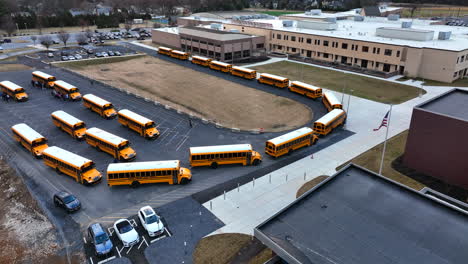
x=385 y=142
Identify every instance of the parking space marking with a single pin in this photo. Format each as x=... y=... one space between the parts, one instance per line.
x=84 y=239
x=144 y=240
x=118 y=251
x=169 y=233
x=157 y=239
x=111 y=230
x=91 y=260
x=106 y=260
x=132 y=221
x=128 y=251
x=182 y=142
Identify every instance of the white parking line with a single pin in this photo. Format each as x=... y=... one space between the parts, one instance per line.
x=106 y=260
x=168 y=232
x=84 y=240
x=129 y=249
x=144 y=240
x=118 y=251
x=111 y=230
x=157 y=239
x=91 y=260
x=132 y=221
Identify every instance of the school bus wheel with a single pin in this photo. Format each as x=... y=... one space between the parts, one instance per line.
x=183 y=181
x=135 y=184
x=214 y=165
x=256 y=162
x=58 y=170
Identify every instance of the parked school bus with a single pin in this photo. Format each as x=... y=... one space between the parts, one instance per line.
x=29 y=139
x=305 y=89
x=165 y=51
x=14 y=91
x=136 y=173
x=179 y=55
x=220 y=66
x=331 y=102
x=44 y=79
x=116 y=146
x=286 y=143
x=68 y=123
x=99 y=105
x=330 y=121
x=244 y=72
x=273 y=80
x=81 y=169
x=201 y=61
x=67 y=89
x=224 y=154
x=145 y=127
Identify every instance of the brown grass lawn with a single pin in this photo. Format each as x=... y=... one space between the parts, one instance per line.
x=203 y=95
x=219 y=249
x=369 y=88
x=310 y=184
x=431 y=11
x=13 y=67
x=395 y=148
x=457 y=83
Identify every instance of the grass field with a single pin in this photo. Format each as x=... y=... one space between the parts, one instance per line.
x=202 y=95
x=279 y=12
x=310 y=184
x=395 y=148
x=13 y=67
x=457 y=83
x=432 y=11
x=369 y=88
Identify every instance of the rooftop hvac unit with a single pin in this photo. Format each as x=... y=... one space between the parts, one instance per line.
x=358 y=18
x=393 y=17
x=316 y=25
x=216 y=26
x=444 y=35
x=406 y=24
x=331 y=19
x=287 y=23
x=315 y=12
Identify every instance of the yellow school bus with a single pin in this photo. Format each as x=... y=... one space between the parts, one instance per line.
x=99 y=105
x=273 y=80
x=14 y=91
x=145 y=127
x=244 y=72
x=330 y=101
x=116 y=146
x=330 y=121
x=29 y=139
x=43 y=79
x=220 y=66
x=67 y=89
x=81 y=169
x=305 y=89
x=136 y=173
x=201 y=61
x=70 y=124
x=179 y=55
x=286 y=143
x=165 y=51
x=224 y=154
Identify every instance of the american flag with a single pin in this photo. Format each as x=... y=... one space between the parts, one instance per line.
x=384 y=122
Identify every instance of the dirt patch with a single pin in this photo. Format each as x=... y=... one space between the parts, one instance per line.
x=13 y=67
x=202 y=95
x=310 y=184
x=27 y=234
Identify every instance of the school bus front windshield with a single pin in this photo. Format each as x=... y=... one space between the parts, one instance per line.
x=124 y=145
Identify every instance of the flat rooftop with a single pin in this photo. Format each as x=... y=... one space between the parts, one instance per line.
x=453 y=103
x=366 y=31
x=358 y=217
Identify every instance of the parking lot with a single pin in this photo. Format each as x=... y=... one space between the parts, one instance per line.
x=80 y=52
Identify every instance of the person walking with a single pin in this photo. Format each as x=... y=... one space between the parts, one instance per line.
x=7 y=98
x=190 y=123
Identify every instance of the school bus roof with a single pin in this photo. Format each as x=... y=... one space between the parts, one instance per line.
x=42 y=74
x=331 y=98
x=221 y=148
x=330 y=116
x=305 y=85
x=220 y=63
x=98 y=100
x=291 y=135
x=27 y=132
x=66 y=156
x=66 y=117
x=111 y=138
x=243 y=69
x=10 y=85
x=64 y=85
x=200 y=58
x=140 y=119
x=179 y=52
x=276 y=77
x=165 y=48
x=146 y=165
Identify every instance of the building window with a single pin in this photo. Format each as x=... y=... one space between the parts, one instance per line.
x=273 y=36
x=455 y=74
x=355 y=60
x=182 y=46
x=388 y=52
x=211 y=44
x=278 y=36
x=317 y=42
x=202 y=42
x=325 y=43
x=365 y=49
x=228 y=56
x=377 y=64
x=246 y=53
x=210 y=53
x=325 y=55
x=286 y=37
x=309 y=41
x=195 y=49
x=352 y=46
x=462 y=59
x=356 y=47
x=398 y=53
x=260 y=46
x=301 y=39
x=344 y=45
x=293 y=49
x=378 y=50
x=293 y=38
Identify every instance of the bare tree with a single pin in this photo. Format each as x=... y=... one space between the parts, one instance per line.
x=46 y=41
x=34 y=38
x=128 y=25
x=63 y=37
x=88 y=33
x=81 y=39
x=8 y=25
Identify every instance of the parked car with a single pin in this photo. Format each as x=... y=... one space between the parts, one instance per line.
x=67 y=201
x=117 y=53
x=141 y=38
x=55 y=41
x=104 y=54
x=78 y=57
x=111 y=53
x=90 y=51
x=1 y=49
x=126 y=232
x=50 y=55
x=98 y=54
x=71 y=57
x=7 y=40
x=99 y=238
x=151 y=221
x=64 y=58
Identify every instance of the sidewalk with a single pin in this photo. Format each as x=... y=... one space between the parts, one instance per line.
x=243 y=210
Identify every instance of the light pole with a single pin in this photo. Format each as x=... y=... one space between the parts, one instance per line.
x=17 y=28
x=26 y=26
x=349 y=100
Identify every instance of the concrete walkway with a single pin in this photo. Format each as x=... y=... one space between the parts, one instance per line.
x=241 y=210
